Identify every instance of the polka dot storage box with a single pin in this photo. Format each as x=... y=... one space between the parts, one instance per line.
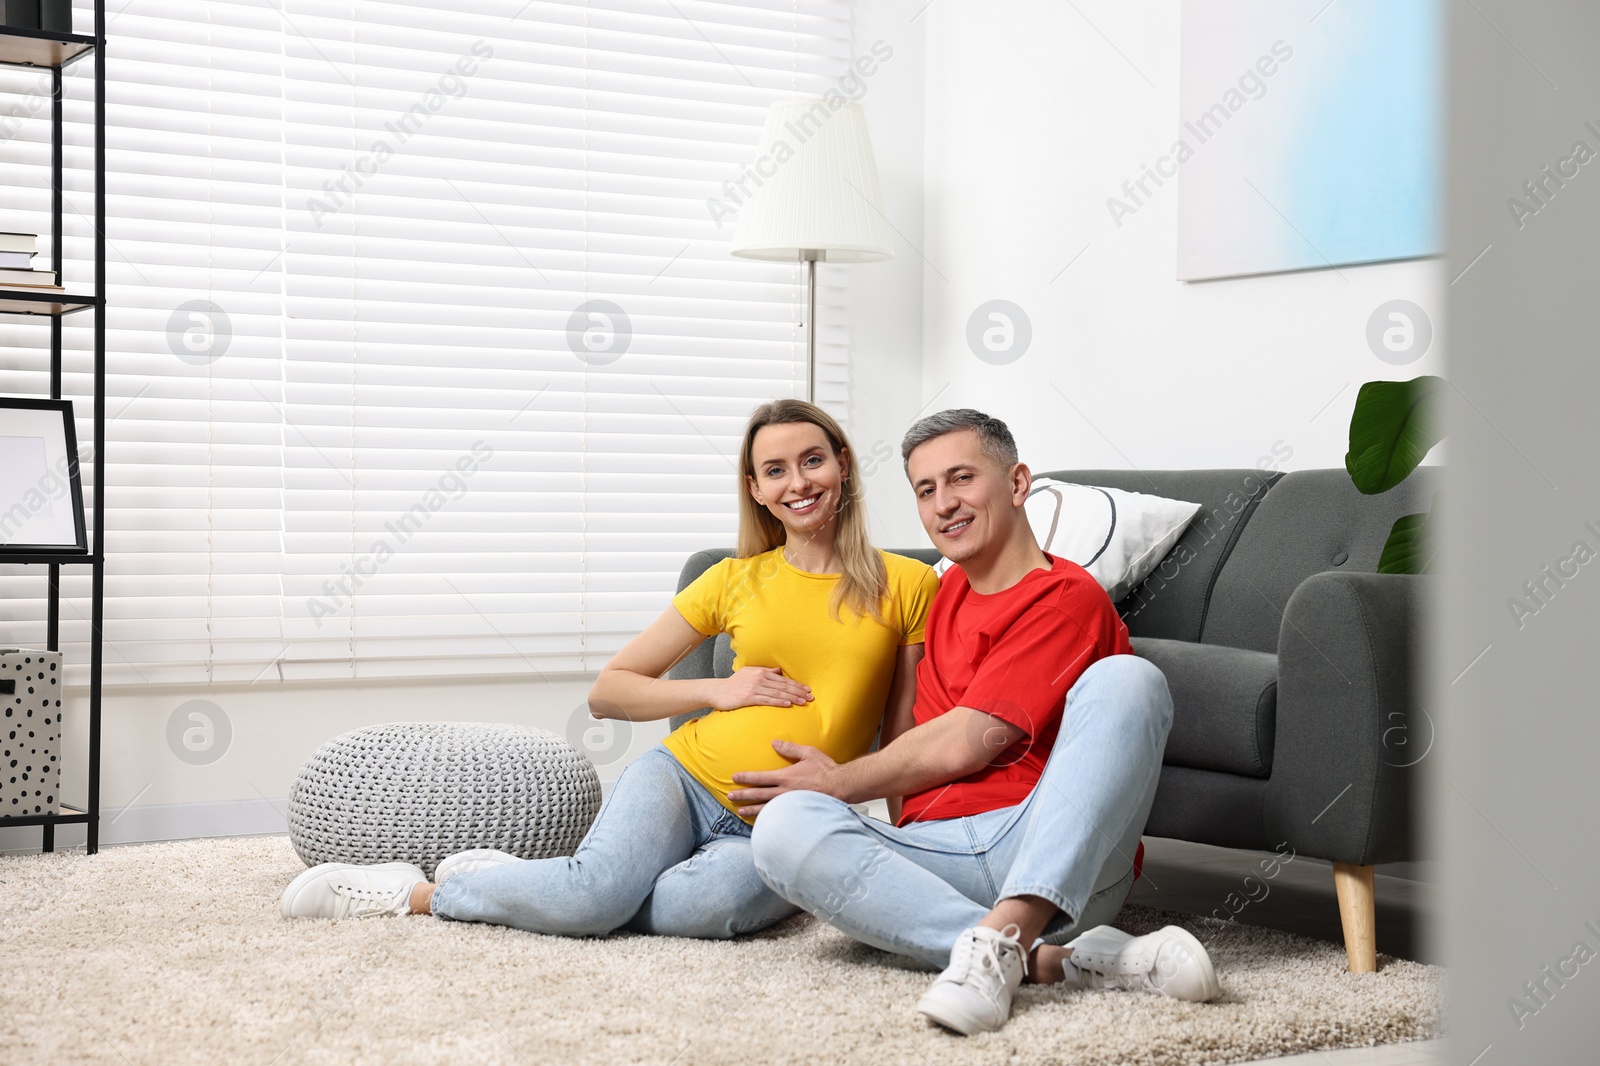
x=417 y=792
x=30 y=732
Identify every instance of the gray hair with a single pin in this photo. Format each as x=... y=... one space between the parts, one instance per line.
x=993 y=435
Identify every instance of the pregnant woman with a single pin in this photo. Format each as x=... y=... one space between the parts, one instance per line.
x=826 y=632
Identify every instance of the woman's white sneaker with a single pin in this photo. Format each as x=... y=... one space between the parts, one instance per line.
x=345 y=890
x=468 y=862
x=1168 y=962
x=973 y=994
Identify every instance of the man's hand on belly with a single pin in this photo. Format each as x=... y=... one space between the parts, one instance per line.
x=946 y=748
x=812 y=771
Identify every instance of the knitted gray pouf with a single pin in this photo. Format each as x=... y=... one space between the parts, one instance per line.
x=417 y=792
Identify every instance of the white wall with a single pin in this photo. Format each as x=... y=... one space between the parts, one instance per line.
x=886 y=298
x=1034 y=115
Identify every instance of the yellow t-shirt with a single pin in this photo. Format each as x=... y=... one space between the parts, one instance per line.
x=777 y=615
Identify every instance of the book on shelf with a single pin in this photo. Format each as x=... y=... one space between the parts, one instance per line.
x=19 y=242
x=30 y=279
x=23 y=14
x=16 y=260
x=53 y=15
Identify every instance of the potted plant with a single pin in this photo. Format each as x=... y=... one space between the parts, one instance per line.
x=1394 y=426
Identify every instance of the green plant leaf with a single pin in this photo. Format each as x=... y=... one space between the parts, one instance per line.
x=1409 y=549
x=1392 y=429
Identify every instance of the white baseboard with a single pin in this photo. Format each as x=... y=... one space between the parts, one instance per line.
x=170 y=821
x=162 y=821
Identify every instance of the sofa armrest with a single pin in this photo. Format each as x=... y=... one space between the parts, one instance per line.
x=1351 y=730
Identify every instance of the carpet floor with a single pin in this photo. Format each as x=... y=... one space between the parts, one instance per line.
x=174 y=953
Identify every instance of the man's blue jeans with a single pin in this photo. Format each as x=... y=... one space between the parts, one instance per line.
x=662 y=857
x=914 y=890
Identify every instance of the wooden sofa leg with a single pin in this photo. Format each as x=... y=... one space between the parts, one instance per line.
x=1358 y=915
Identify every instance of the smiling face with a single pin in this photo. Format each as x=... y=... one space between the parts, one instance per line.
x=968 y=503
x=797 y=477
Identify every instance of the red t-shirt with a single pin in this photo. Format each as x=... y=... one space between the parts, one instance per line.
x=1013 y=654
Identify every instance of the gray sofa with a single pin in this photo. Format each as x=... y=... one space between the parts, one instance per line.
x=1293 y=668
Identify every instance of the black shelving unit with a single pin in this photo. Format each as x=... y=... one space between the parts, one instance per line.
x=54 y=52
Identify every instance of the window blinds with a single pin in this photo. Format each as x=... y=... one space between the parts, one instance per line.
x=426 y=352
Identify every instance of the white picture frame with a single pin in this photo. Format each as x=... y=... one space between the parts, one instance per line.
x=41 y=494
x=1307 y=136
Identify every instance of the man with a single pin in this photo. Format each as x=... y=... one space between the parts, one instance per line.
x=1027 y=777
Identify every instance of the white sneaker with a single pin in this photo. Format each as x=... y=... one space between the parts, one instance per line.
x=973 y=994
x=468 y=862
x=1168 y=962
x=345 y=890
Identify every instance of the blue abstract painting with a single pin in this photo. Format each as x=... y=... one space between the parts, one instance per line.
x=1309 y=134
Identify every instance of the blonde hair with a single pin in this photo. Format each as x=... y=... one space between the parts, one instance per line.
x=865 y=582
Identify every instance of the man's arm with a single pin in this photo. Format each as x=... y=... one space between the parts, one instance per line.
x=935 y=753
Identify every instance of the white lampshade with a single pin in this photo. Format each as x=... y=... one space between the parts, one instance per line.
x=818 y=196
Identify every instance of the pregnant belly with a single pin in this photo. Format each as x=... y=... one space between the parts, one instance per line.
x=725 y=742
x=741 y=739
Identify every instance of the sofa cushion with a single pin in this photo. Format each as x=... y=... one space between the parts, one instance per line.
x=1311 y=521
x=1171 y=601
x=1226 y=810
x=1116 y=535
x=1224 y=704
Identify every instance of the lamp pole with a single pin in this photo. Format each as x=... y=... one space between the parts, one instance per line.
x=811 y=325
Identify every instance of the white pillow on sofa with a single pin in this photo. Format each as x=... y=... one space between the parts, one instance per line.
x=1118 y=536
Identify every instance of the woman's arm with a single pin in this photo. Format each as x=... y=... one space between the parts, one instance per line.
x=631 y=687
x=897 y=715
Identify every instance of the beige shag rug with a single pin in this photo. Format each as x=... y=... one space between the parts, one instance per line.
x=174 y=953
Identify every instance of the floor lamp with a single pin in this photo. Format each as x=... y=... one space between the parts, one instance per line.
x=815 y=199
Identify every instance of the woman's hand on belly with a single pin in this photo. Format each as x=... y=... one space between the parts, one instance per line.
x=758 y=686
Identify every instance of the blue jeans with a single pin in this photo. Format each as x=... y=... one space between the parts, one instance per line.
x=662 y=857
x=914 y=890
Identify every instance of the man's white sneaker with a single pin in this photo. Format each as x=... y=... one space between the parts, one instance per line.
x=345 y=890
x=469 y=862
x=973 y=994
x=1169 y=962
